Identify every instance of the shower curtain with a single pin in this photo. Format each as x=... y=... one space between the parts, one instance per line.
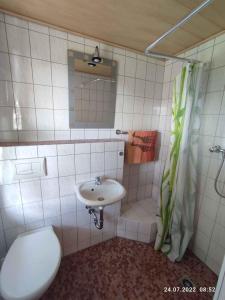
x=178 y=185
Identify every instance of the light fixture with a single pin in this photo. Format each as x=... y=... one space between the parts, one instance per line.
x=96 y=57
x=91 y=64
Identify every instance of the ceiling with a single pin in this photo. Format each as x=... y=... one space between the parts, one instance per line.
x=128 y=23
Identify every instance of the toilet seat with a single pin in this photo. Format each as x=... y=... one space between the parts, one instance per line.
x=30 y=265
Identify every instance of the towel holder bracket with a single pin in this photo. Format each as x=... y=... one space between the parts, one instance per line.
x=118 y=131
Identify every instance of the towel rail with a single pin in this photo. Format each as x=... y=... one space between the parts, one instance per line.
x=118 y=131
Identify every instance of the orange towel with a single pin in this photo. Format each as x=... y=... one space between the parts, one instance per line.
x=140 y=147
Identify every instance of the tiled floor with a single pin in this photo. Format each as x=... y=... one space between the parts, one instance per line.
x=124 y=269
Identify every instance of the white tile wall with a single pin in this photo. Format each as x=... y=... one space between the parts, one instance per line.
x=33 y=203
x=209 y=235
x=34 y=58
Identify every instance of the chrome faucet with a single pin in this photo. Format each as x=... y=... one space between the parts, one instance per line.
x=98 y=180
x=217 y=149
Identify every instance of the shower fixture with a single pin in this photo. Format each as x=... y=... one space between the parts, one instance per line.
x=218 y=149
x=185 y=19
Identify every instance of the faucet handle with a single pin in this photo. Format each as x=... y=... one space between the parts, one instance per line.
x=98 y=180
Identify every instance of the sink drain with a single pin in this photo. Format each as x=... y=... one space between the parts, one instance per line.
x=101 y=198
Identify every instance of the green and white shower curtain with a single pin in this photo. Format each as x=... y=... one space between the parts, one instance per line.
x=178 y=186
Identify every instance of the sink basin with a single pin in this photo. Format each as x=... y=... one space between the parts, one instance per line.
x=108 y=192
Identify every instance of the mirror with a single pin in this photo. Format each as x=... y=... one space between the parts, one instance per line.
x=92 y=90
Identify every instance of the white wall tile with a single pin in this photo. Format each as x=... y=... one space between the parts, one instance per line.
x=209 y=125
x=51 y=208
x=218 y=235
x=41 y=72
x=213 y=103
x=91 y=133
x=18 y=40
x=38 y=28
x=4 y=67
x=12 y=216
x=58 y=50
x=26 y=119
x=77 y=39
x=6 y=94
x=66 y=165
x=45 y=119
x=28 y=136
x=220 y=129
x=130 y=67
x=59 y=75
x=21 y=69
x=97 y=147
x=61 y=119
x=68 y=204
x=9 y=195
x=7 y=153
x=50 y=188
x=16 y=21
x=216 y=80
x=62 y=135
x=7 y=119
x=26 y=152
x=82 y=163
x=23 y=94
x=33 y=212
x=3 y=40
x=218 y=59
x=141 y=69
x=67 y=185
x=40 y=48
x=60 y=98
x=151 y=72
x=129 y=85
x=128 y=104
x=97 y=162
x=47 y=150
x=82 y=148
x=31 y=191
x=111 y=160
x=65 y=149
x=58 y=33
x=221 y=214
x=45 y=135
x=43 y=96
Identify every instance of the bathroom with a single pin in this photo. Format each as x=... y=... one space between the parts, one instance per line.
x=59 y=149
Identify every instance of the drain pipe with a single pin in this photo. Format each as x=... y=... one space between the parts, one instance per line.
x=98 y=222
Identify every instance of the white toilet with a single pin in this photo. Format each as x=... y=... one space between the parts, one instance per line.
x=30 y=265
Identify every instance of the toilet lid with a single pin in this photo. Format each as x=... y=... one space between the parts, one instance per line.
x=30 y=264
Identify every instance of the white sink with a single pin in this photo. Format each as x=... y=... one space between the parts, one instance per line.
x=108 y=192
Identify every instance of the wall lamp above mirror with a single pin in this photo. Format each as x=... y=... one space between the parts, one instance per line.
x=92 y=90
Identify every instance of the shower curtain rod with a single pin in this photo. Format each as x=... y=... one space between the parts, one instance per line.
x=173 y=29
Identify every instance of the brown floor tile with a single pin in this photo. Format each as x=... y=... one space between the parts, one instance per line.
x=124 y=269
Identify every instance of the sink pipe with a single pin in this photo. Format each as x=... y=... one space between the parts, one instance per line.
x=99 y=223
